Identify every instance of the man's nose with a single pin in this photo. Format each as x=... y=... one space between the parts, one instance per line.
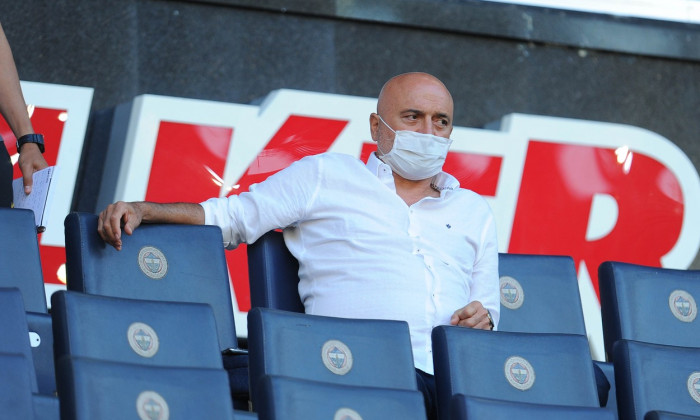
x=426 y=127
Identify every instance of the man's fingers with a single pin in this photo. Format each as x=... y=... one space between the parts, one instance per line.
x=114 y=223
x=130 y=223
x=466 y=311
x=30 y=160
x=474 y=315
x=479 y=323
x=109 y=224
x=28 y=181
x=27 y=171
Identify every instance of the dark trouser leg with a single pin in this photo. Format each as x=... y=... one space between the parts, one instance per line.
x=5 y=177
x=426 y=385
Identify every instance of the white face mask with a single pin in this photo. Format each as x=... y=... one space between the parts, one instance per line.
x=415 y=156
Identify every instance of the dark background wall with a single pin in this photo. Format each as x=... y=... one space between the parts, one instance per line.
x=496 y=58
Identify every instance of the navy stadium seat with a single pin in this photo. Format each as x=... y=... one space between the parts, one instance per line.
x=607 y=369
x=15 y=339
x=285 y=398
x=274 y=274
x=181 y=263
x=158 y=262
x=655 y=377
x=21 y=263
x=539 y=293
x=523 y=367
x=14 y=329
x=467 y=408
x=136 y=331
x=327 y=349
x=46 y=407
x=649 y=304
x=665 y=415
x=41 y=341
x=16 y=385
x=19 y=257
x=105 y=390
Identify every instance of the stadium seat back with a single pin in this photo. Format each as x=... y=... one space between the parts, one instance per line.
x=135 y=331
x=17 y=383
x=274 y=274
x=98 y=389
x=167 y=262
x=654 y=377
x=46 y=407
x=466 y=408
x=14 y=329
x=608 y=369
x=41 y=342
x=19 y=257
x=523 y=367
x=667 y=415
x=649 y=304
x=540 y=294
x=327 y=349
x=284 y=398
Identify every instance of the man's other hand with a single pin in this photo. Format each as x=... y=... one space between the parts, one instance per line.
x=474 y=315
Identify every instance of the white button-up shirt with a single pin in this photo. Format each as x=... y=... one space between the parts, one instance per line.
x=364 y=253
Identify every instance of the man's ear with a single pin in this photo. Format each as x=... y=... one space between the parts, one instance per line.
x=374 y=126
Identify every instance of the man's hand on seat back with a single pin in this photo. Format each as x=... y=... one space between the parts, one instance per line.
x=474 y=315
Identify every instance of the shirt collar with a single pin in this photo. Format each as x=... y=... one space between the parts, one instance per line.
x=443 y=180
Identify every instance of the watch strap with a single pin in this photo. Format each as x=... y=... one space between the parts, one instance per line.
x=37 y=139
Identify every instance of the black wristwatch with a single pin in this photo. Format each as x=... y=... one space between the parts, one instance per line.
x=37 y=139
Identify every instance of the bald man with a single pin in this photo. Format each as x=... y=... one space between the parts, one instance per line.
x=392 y=238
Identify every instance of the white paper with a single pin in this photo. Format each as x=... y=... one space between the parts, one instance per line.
x=36 y=200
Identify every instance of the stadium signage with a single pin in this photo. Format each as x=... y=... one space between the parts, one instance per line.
x=595 y=191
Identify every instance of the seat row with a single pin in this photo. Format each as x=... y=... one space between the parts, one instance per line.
x=156 y=266
x=647 y=312
x=117 y=355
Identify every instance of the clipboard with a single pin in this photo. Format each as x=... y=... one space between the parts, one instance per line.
x=37 y=200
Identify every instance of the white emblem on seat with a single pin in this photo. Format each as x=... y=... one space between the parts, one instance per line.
x=143 y=339
x=347 y=414
x=337 y=357
x=519 y=373
x=694 y=386
x=153 y=262
x=151 y=406
x=512 y=295
x=34 y=339
x=683 y=305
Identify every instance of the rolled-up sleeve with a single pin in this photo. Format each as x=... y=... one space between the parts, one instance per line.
x=279 y=201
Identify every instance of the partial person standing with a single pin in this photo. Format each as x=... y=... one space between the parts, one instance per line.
x=30 y=145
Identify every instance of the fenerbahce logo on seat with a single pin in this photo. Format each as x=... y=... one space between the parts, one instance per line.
x=152 y=262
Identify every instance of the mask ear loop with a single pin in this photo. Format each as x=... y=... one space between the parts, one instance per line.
x=387 y=126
